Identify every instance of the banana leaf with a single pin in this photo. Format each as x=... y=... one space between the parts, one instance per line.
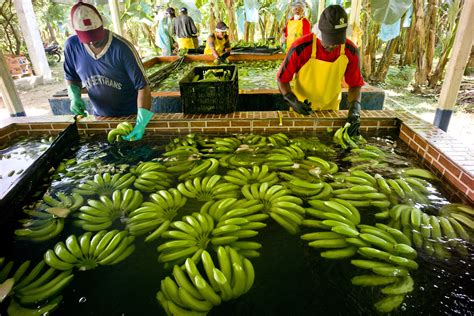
x=389 y=11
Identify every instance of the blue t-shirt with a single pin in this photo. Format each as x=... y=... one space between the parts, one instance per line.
x=112 y=79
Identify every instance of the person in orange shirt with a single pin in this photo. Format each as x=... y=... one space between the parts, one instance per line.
x=297 y=26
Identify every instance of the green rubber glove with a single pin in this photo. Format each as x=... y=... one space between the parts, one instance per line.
x=78 y=106
x=143 y=117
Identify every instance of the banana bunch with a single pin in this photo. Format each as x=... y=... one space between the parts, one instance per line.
x=278 y=202
x=105 y=184
x=258 y=141
x=278 y=140
x=308 y=190
x=390 y=257
x=100 y=214
x=338 y=221
x=258 y=174
x=219 y=146
x=151 y=176
x=314 y=146
x=319 y=166
x=181 y=153
x=360 y=189
x=418 y=173
x=193 y=140
x=436 y=235
x=242 y=158
x=367 y=156
x=292 y=151
x=342 y=138
x=89 y=250
x=15 y=309
x=190 y=237
x=208 y=188
x=32 y=286
x=191 y=293
x=122 y=129
x=276 y=161
x=156 y=215
x=206 y=167
x=47 y=221
x=404 y=190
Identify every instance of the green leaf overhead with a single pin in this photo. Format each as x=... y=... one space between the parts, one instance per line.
x=389 y=11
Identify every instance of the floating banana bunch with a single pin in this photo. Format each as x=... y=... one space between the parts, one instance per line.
x=156 y=215
x=28 y=286
x=336 y=222
x=16 y=309
x=105 y=184
x=258 y=174
x=404 y=190
x=181 y=153
x=319 y=167
x=151 y=176
x=257 y=140
x=206 y=167
x=294 y=152
x=193 y=140
x=308 y=190
x=88 y=251
x=242 y=158
x=389 y=256
x=369 y=156
x=278 y=202
x=191 y=237
x=419 y=173
x=100 y=214
x=342 y=138
x=436 y=235
x=190 y=292
x=122 y=129
x=314 y=146
x=218 y=146
x=280 y=162
x=47 y=221
x=208 y=188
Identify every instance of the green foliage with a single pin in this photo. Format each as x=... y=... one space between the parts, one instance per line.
x=400 y=76
x=389 y=11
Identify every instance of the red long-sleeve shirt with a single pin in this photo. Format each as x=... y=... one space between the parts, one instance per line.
x=300 y=53
x=306 y=26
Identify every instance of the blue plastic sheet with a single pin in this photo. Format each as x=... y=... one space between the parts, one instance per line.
x=408 y=16
x=251 y=10
x=389 y=31
x=240 y=20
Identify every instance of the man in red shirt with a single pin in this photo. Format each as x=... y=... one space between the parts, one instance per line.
x=316 y=66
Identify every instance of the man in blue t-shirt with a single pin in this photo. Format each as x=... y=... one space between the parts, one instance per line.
x=109 y=68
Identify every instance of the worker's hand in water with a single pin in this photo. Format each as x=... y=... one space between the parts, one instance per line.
x=144 y=116
x=354 y=118
x=298 y=106
x=78 y=106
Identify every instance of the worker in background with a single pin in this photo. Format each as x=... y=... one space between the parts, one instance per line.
x=164 y=31
x=109 y=67
x=218 y=44
x=317 y=65
x=185 y=30
x=297 y=26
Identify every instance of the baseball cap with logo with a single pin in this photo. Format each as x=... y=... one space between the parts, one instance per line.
x=333 y=25
x=87 y=22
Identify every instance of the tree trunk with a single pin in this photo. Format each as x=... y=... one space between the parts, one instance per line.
x=410 y=49
x=252 y=32
x=386 y=60
x=420 y=74
x=431 y=26
x=52 y=34
x=437 y=74
x=212 y=17
x=231 y=17
x=246 y=31
x=262 y=25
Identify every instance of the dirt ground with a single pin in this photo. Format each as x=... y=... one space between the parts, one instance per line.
x=35 y=102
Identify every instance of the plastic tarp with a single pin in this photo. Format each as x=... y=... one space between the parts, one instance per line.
x=389 y=31
x=240 y=20
x=193 y=11
x=251 y=10
x=408 y=16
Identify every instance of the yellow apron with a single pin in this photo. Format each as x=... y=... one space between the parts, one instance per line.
x=294 y=30
x=186 y=43
x=219 y=46
x=319 y=81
